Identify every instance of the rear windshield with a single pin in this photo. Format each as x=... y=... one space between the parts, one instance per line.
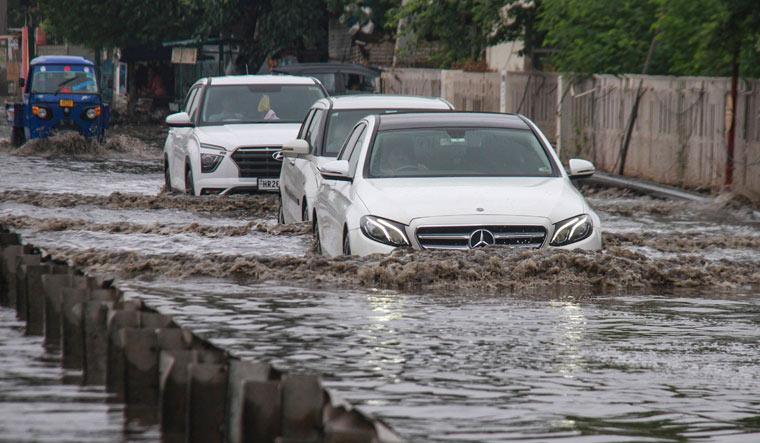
x=67 y=79
x=225 y=104
x=459 y=152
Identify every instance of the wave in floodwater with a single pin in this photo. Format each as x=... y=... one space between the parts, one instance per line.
x=73 y=145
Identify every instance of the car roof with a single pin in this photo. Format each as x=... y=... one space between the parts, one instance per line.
x=318 y=68
x=450 y=120
x=258 y=80
x=382 y=101
x=62 y=60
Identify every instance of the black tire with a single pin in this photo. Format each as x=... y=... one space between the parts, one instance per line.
x=304 y=211
x=189 y=183
x=167 y=179
x=281 y=213
x=317 y=246
x=17 y=137
x=346 y=244
x=102 y=136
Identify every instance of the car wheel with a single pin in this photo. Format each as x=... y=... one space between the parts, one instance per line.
x=167 y=178
x=346 y=244
x=304 y=211
x=17 y=137
x=281 y=213
x=189 y=183
x=317 y=246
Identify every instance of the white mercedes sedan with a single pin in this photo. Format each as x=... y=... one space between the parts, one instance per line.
x=451 y=181
x=322 y=135
x=228 y=137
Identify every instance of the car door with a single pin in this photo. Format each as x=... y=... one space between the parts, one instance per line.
x=291 y=176
x=340 y=195
x=180 y=137
x=304 y=176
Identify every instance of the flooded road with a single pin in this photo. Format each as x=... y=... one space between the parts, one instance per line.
x=652 y=339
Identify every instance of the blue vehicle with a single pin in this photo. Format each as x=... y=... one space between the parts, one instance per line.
x=62 y=93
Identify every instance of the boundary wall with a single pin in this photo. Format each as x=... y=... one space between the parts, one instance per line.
x=680 y=136
x=164 y=373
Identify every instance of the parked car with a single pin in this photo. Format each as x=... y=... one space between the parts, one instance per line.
x=451 y=181
x=228 y=138
x=322 y=135
x=338 y=78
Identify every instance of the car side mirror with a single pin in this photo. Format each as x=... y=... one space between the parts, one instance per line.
x=335 y=170
x=294 y=148
x=580 y=168
x=179 y=120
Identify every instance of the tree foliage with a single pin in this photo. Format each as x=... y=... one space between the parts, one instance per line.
x=613 y=36
x=120 y=23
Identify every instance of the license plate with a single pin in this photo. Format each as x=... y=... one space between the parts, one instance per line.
x=66 y=103
x=269 y=184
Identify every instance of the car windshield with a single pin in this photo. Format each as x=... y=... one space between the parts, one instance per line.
x=225 y=104
x=68 y=79
x=458 y=152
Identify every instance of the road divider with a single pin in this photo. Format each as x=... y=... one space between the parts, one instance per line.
x=168 y=375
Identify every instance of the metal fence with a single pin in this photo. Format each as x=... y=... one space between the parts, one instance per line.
x=679 y=138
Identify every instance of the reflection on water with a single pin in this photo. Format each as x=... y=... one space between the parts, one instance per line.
x=40 y=402
x=493 y=368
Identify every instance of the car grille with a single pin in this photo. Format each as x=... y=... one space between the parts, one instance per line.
x=257 y=162
x=458 y=237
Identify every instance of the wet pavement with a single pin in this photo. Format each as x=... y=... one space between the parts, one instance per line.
x=653 y=338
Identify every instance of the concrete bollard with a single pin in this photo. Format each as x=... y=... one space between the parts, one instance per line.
x=35 y=295
x=302 y=404
x=72 y=333
x=8 y=268
x=141 y=367
x=153 y=320
x=207 y=401
x=6 y=240
x=241 y=372
x=118 y=321
x=262 y=411
x=173 y=397
x=95 y=331
x=348 y=426
x=53 y=285
x=21 y=301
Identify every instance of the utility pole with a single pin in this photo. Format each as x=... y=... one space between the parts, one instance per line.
x=732 y=116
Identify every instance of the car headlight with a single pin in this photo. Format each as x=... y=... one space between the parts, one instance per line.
x=41 y=112
x=383 y=231
x=571 y=230
x=210 y=160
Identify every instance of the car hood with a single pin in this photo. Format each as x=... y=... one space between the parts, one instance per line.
x=404 y=200
x=255 y=134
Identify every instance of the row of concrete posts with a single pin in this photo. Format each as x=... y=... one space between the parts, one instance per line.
x=162 y=372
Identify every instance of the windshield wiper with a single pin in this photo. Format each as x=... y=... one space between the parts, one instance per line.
x=63 y=83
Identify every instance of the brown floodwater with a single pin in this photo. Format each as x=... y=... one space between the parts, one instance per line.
x=652 y=338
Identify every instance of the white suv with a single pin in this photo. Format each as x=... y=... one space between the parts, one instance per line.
x=228 y=138
x=321 y=137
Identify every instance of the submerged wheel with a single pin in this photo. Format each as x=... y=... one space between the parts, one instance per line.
x=304 y=212
x=281 y=213
x=189 y=183
x=17 y=137
x=167 y=179
x=317 y=246
x=346 y=244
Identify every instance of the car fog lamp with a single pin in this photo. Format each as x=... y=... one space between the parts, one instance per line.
x=384 y=231
x=571 y=230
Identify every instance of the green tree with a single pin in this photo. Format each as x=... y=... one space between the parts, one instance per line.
x=121 y=23
x=512 y=20
x=602 y=36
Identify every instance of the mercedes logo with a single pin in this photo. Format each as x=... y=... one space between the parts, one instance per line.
x=481 y=237
x=277 y=156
